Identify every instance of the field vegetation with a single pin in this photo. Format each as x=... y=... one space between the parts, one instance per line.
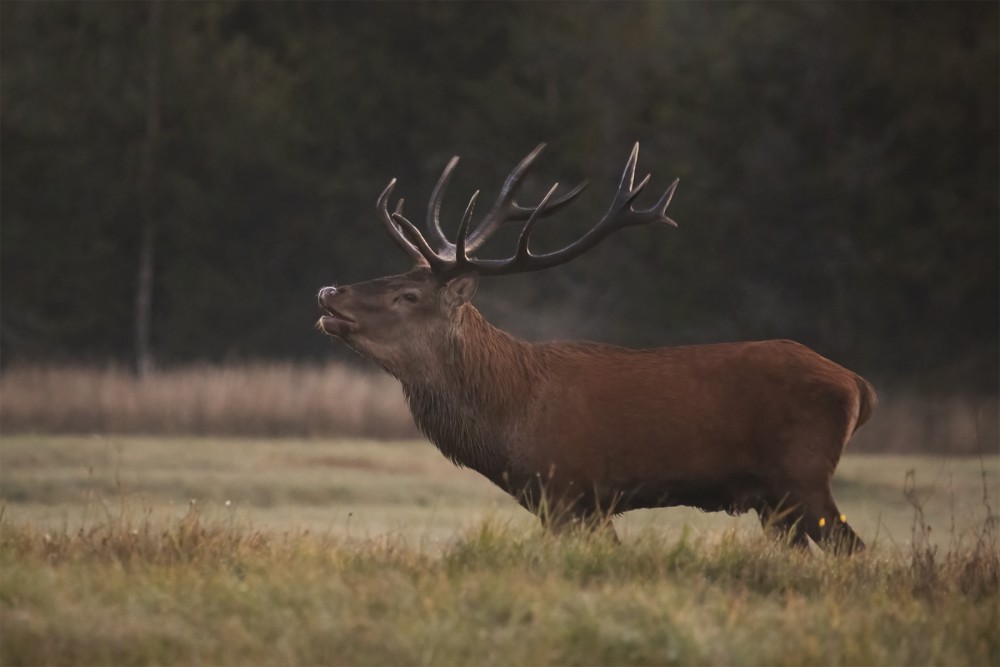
x=195 y=592
x=126 y=549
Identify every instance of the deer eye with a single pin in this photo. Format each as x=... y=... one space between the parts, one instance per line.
x=412 y=297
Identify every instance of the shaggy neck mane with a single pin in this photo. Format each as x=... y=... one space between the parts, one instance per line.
x=472 y=402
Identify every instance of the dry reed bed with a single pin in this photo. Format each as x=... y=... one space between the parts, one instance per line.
x=906 y=422
x=271 y=399
x=252 y=399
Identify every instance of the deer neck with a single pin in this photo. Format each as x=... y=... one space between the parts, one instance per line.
x=471 y=405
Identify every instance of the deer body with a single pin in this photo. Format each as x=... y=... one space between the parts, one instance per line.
x=576 y=431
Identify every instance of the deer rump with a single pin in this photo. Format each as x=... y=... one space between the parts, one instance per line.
x=579 y=431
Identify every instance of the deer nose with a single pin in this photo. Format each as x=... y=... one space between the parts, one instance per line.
x=326 y=294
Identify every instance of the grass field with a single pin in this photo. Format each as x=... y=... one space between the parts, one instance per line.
x=140 y=550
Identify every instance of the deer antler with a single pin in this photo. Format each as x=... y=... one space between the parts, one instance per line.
x=453 y=258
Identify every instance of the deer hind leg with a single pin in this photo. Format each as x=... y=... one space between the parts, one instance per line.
x=828 y=526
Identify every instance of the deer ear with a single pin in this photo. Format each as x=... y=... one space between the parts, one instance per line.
x=460 y=290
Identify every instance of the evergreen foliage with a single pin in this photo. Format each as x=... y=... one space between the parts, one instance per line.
x=838 y=165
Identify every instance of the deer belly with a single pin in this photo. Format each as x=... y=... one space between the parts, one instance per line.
x=734 y=495
x=631 y=462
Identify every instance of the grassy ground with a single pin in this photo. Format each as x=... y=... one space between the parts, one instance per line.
x=359 y=488
x=357 y=552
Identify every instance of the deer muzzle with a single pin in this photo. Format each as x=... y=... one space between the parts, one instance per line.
x=335 y=322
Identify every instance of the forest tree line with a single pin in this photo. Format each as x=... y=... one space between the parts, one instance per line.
x=201 y=169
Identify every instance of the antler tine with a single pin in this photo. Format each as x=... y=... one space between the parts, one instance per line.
x=406 y=235
x=514 y=212
x=637 y=189
x=434 y=208
x=619 y=215
x=463 y=231
x=520 y=213
x=382 y=206
x=661 y=206
x=505 y=202
x=503 y=211
x=536 y=213
x=412 y=235
x=628 y=176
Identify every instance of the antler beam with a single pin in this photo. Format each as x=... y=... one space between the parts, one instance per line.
x=453 y=258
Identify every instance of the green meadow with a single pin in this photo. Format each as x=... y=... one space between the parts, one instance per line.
x=156 y=550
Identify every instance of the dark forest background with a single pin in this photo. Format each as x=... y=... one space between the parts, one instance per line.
x=179 y=179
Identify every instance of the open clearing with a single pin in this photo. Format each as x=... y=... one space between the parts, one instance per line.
x=144 y=550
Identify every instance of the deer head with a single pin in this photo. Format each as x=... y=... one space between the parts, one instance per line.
x=395 y=320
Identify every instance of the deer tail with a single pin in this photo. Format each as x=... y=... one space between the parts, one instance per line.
x=867 y=401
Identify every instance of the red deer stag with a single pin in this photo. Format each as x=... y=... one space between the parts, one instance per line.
x=578 y=431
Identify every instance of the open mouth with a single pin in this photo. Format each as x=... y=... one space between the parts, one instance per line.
x=334 y=314
x=335 y=322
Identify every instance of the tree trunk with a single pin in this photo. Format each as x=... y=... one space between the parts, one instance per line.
x=147 y=197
